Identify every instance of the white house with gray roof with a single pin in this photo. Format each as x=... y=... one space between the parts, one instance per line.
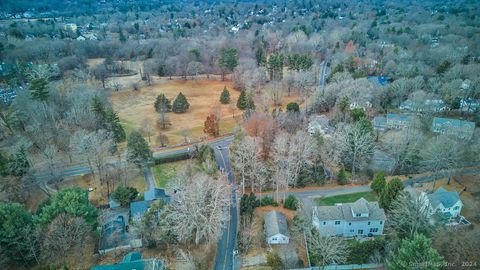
x=276 y=228
x=445 y=202
x=361 y=218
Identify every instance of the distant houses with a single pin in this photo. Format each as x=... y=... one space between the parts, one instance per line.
x=461 y=129
x=320 y=124
x=392 y=121
x=429 y=105
x=470 y=105
x=276 y=228
x=358 y=219
x=380 y=80
x=133 y=261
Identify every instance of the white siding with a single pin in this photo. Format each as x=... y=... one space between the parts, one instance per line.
x=349 y=228
x=278 y=239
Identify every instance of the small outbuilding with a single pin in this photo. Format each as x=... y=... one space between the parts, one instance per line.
x=276 y=228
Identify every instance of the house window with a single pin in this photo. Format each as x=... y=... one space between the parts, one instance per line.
x=324 y=223
x=360 y=231
x=369 y=223
x=358 y=215
x=350 y=224
x=381 y=222
x=274 y=239
x=352 y=230
x=456 y=208
x=373 y=229
x=337 y=222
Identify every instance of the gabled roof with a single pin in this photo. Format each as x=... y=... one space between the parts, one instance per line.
x=155 y=194
x=360 y=206
x=139 y=208
x=344 y=211
x=453 y=122
x=275 y=223
x=444 y=197
x=398 y=117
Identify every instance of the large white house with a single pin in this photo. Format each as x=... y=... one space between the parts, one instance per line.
x=361 y=218
x=276 y=228
x=445 y=202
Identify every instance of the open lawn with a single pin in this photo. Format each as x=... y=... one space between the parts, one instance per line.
x=346 y=198
x=166 y=171
x=203 y=96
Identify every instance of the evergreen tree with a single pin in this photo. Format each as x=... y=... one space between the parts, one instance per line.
x=379 y=183
x=275 y=66
x=293 y=107
x=14 y=218
x=416 y=253
x=98 y=108
x=390 y=193
x=260 y=56
x=124 y=195
x=250 y=104
x=72 y=201
x=162 y=103
x=242 y=100
x=225 y=96
x=113 y=125
x=180 y=105
x=39 y=89
x=228 y=58
x=138 y=151
x=18 y=164
x=342 y=176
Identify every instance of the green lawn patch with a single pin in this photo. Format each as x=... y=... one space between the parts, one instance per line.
x=166 y=171
x=346 y=198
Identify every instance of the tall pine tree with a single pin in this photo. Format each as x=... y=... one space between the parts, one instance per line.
x=162 y=103
x=138 y=151
x=180 y=105
x=225 y=96
x=39 y=89
x=242 y=100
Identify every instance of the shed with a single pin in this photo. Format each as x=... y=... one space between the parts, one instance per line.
x=276 y=228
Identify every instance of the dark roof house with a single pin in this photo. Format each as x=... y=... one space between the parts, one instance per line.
x=460 y=128
x=133 y=261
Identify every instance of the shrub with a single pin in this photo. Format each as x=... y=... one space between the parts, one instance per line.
x=124 y=195
x=268 y=200
x=293 y=107
x=342 y=176
x=291 y=202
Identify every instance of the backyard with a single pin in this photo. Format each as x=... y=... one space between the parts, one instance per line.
x=346 y=198
x=166 y=171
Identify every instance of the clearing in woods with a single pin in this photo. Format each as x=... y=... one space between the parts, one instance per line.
x=134 y=107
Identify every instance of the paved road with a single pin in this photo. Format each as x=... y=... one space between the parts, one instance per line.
x=84 y=169
x=147 y=172
x=226 y=244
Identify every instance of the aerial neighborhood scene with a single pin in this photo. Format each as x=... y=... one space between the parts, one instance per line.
x=239 y=134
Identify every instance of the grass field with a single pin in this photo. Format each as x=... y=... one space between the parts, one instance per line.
x=166 y=171
x=134 y=107
x=346 y=198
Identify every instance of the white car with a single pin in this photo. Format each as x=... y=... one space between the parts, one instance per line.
x=219 y=147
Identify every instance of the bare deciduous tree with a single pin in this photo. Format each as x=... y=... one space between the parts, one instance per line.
x=327 y=250
x=199 y=210
x=410 y=214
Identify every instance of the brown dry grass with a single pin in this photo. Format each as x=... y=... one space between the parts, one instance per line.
x=203 y=96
